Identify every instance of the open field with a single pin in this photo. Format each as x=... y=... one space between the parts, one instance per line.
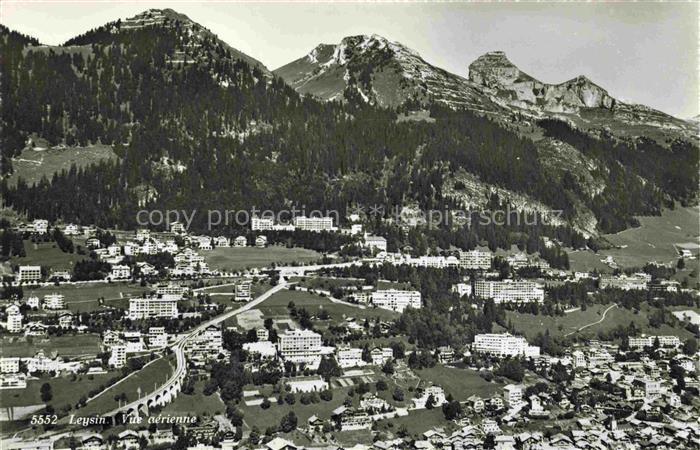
x=65 y=391
x=196 y=404
x=47 y=254
x=144 y=380
x=461 y=383
x=67 y=346
x=654 y=240
x=261 y=418
x=31 y=165
x=234 y=259
x=530 y=325
x=416 y=422
x=84 y=297
x=276 y=306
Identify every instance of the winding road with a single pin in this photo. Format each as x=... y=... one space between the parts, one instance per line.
x=178 y=347
x=593 y=323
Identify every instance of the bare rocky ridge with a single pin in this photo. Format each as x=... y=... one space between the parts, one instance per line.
x=495 y=72
x=389 y=74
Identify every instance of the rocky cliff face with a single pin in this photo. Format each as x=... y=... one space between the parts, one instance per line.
x=495 y=72
x=381 y=72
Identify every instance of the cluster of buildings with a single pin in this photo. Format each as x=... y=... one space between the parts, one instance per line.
x=121 y=344
x=14 y=371
x=637 y=281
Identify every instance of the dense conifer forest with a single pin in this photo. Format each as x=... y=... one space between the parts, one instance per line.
x=196 y=128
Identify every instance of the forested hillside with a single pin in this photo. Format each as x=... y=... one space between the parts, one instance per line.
x=197 y=127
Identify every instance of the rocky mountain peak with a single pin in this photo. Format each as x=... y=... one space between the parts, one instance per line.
x=496 y=72
x=494 y=69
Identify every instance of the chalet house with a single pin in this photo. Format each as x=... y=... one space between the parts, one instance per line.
x=222 y=241
x=93 y=442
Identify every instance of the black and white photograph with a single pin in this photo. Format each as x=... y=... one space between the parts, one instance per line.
x=349 y=225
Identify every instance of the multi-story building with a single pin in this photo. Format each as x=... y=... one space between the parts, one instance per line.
x=65 y=320
x=29 y=274
x=54 y=301
x=648 y=341
x=378 y=242
x=40 y=226
x=578 y=359
x=436 y=262
x=120 y=272
x=396 y=300
x=157 y=337
x=170 y=291
x=381 y=355
x=313 y=223
x=513 y=395
x=243 y=291
x=258 y=224
x=14 y=319
x=146 y=308
x=506 y=291
x=206 y=346
x=9 y=365
x=624 y=282
x=300 y=346
x=349 y=357
x=133 y=341
x=262 y=334
x=177 y=227
x=504 y=344
x=475 y=260
x=117 y=357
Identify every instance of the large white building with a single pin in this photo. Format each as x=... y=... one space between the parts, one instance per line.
x=349 y=357
x=648 y=341
x=509 y=291
x=54 y=301
x=378 y=242
x=396 y=300
x=475 y=260
x=145 y=308
x=257 y=224
x=14 y=319
x=436 y=262
x=513 y=395
x=243 y=291
x=9 y=365
x=117 y=357
x=300 y=346
x=29 y=274
x=504 y=344
x=120 y=272
x=313 y=223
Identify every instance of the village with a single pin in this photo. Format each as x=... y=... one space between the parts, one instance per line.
x=332 y=351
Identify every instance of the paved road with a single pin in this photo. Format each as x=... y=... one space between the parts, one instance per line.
x=593 y=323
x=178 y=346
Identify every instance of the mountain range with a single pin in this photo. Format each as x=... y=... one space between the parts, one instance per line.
x=196 y=123
x=389 y=74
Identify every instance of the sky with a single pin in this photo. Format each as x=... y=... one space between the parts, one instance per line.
x=640 y=52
